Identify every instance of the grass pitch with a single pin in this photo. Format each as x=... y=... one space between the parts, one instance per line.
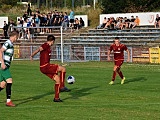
x=91 y=97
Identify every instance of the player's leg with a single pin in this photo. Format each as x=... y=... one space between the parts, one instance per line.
x=119 y=64
x=114 y=75
x=62 y=71
x=120 y=72
x=51 y=72
x=56 y=87
x=2 y=85
x=55 y=78
x=8 y=92
x=121 y=75
x=8 y=79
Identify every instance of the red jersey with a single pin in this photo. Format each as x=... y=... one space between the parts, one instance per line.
x=45 y=54
x=118 y=51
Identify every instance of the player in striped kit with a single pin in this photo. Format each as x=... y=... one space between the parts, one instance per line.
x=6 y=54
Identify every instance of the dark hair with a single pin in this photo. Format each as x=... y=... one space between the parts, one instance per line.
x=117 y=38
x=50 y=38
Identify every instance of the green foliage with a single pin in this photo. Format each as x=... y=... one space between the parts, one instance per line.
x=119 y=6
x=6 y=7
x=8 y=2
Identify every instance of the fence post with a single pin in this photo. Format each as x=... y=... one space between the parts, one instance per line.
x=61 y=45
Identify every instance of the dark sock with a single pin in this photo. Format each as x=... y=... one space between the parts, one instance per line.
x=1 y=88
x=8 y=90
x=114 y=75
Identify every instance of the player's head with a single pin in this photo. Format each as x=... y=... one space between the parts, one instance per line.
x=116 y=40
x=13 y=35
x=50 y=39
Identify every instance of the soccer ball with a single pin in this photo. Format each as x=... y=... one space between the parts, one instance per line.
x=70 y=79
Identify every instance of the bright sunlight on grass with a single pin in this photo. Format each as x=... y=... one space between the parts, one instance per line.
x=91 y=97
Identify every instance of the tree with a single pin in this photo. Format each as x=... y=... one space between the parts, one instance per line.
x=119 y=6
x=8 y=2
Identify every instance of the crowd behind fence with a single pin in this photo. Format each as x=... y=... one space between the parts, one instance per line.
x=44 y=20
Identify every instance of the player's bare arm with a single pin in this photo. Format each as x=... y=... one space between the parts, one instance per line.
x=35 y=52
x=3 y=66
x=128 y=55
x=109 y=52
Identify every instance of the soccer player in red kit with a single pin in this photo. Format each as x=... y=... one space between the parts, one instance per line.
x=118 y=50
x=51 y=70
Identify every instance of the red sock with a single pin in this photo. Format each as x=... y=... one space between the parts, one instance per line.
x=114 y=75
x=56 y=87
x=120 y=74
x=62 y=79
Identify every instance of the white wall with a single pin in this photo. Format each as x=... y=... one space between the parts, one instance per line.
x=2 y=19
x=146 y=18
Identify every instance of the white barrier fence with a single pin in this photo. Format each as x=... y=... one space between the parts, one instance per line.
x=2 y=19
x=146 y=18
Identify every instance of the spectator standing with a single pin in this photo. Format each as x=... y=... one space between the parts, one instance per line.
x=37 y=22
x=20 y=27
x=65 y=21
x=61 y=18
x=5 y=30
x=25 y=29
x=71 y=17
x=42 y=22
x=49 y=23
x=31 y=33
x=37 y=11
x=11 y=24
x=25 y=15
x=29 y=11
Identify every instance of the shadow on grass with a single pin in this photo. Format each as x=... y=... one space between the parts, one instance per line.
x=76 y=93
x=29 y=99
x=142 y=79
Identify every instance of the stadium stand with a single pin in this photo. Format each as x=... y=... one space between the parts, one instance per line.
x=140 y=39
x=140 y=36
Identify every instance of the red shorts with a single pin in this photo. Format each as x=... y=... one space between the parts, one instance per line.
x=50 y=70
x=118 y=63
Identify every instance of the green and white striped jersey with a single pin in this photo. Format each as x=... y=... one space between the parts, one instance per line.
x=8 y=53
